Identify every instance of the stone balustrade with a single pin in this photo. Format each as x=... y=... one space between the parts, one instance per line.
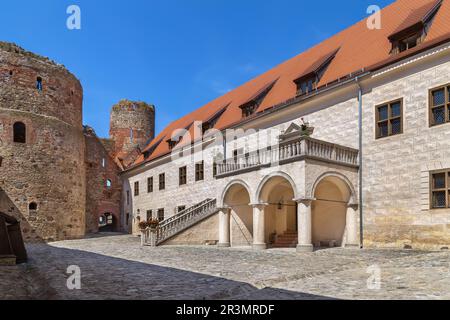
x=290 y=151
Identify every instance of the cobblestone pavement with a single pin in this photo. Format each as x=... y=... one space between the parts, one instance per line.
x=116 y=267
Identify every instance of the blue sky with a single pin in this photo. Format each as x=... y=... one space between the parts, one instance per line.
x=176 y=54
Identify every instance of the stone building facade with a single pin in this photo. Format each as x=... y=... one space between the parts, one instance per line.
x=379 y=182
x=56 y=176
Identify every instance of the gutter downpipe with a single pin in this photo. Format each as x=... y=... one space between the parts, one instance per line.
x=360 y=138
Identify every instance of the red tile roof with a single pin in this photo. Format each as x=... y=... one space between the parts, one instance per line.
x=359 y=47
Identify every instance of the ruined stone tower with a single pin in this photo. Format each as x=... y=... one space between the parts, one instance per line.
x=132 y=125
x=42 y=148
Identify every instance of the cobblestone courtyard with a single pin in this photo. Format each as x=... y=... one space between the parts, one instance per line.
x=116 y=267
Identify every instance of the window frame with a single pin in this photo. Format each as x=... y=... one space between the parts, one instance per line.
x=182 y=176
x=136 y=189
x=389 y=118
x=159 y=212
x=214 y=169
x=19 y=132
x=446 y=189
x=162 y=182
x=446 y=105
x=200 y=171
x=150 y=187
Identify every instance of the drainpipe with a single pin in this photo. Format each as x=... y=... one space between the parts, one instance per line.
x=360 y=138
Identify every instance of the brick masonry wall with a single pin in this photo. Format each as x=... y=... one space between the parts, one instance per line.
x=49 y=169
x=136 y=116
x=101 y=199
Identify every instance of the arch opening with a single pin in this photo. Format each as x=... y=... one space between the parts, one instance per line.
x=332 y=196
x=19 y=132
x=107 y=223
x=237 y=198
x=280 y=212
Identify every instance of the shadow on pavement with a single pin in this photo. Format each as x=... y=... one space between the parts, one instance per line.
x=109 y=278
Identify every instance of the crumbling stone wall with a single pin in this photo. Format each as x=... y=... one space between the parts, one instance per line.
x=49 y=168
x=132 y=125
x=101 y=198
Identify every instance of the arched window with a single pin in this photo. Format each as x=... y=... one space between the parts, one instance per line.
x=20 y=132
x=39 y=83
x=108 y=184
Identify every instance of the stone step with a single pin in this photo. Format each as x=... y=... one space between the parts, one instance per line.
x=7 y=260
x=279 y=246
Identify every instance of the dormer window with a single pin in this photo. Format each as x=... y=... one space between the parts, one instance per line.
x=250 y=107
x=172 y=143
x=306 y=86
x=309 y=80
x=210 y=124
x=414 y=29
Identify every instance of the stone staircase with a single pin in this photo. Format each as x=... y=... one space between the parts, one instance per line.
x=184 y=220
x=288 y=240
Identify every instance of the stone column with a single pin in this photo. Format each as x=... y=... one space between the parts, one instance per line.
x=304 y=214
x=259 y=227
x=352 y=226
x=224 y=228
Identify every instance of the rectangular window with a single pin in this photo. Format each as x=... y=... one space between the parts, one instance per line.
x=128 y=219
x=389 y=119
x=440 y=105
x=128 y=197
x=150 y=185
x=214 y=169
x=136 y=188
x=440 y=190
x=183 y=176
x=161 y=214
x=199 y=171
x=149 y=214
x=181 y=208
x=162 y=181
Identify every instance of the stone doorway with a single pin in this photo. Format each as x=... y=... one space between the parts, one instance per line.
x=107 y=223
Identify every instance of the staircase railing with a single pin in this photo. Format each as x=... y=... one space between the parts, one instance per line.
x=182 y=221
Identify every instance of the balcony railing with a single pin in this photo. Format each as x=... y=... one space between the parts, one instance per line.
x=290 y=151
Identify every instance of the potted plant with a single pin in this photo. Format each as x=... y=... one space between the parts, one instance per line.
x=153 y=223
x=143 y=225
x=307 y=130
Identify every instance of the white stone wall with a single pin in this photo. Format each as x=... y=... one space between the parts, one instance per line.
x=338 y=130
x=396 y=169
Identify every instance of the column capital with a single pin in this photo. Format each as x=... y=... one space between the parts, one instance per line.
x=258 y=205
x=224 y=208
x=353 y=206
x=305 y=201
